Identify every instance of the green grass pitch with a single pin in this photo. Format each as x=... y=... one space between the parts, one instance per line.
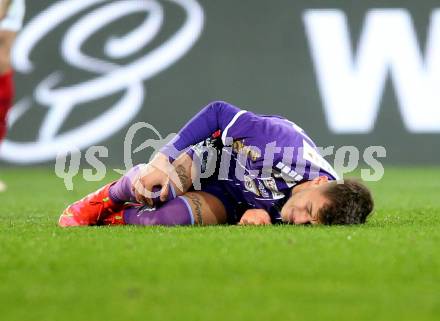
x=388 y=269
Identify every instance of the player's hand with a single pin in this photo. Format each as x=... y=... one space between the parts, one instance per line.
x=156 y=173
x=255 y=217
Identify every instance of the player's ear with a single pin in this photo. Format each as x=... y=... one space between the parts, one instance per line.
x=320 y=180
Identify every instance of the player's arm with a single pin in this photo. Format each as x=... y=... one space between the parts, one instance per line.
x=215 y=116
x=4 y=6
x=7 y=38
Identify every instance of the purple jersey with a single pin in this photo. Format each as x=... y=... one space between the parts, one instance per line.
x=263 y=157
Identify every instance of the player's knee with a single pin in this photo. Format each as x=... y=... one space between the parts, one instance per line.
x=206 y=209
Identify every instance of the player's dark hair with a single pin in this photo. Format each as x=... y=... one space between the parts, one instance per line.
x=350 y=202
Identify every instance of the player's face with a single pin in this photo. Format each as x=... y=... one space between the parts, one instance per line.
x=305 y=202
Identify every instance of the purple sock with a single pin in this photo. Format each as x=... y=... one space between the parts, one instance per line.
x=175 y=212
x=121 y=191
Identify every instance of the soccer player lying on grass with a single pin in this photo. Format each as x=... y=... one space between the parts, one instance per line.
x=265 y=170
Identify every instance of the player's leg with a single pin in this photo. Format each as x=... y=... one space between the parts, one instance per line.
x=193 y=208
x=206 y=208
x=11 y=20
x=111 y=198
x=97 y=205
x=6 y=78
x=6 y=84
x=108 y=199
x=7 y=38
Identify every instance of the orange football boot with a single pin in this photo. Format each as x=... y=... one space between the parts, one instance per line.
x=90 y=209
x=117 y=218
x=113 y=219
